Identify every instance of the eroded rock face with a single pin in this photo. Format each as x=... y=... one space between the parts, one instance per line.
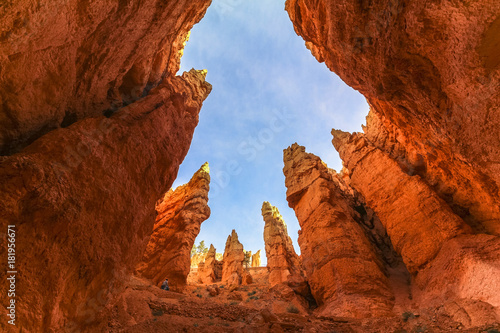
x=63 y=61
x=233 y=272
x=210 y=270
x=345 y=273
x=417 y=220
x=256 y=259
x=88 y=220
x=430 y=73
x=179 y=216
x=283 y=263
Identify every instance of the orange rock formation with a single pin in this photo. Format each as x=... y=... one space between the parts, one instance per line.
x=344 y=272
x=256 y=259
x=233 y=272
x=100 y=124
x=179 y=216
x=283 y=263
x=210 y=270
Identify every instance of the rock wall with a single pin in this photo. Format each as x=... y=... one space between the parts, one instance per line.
x=283 y=263
x=430 y=73
x=256 y=259
x=83 y=238
x=96 y=126
x=233 y=272
x=346 y=274
x=179 y=216
x=210 y=270
x=66 y=60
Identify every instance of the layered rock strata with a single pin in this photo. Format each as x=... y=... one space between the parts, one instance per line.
x=179 y=216
x=256 y=259
x=233 y=272
x=210 y=270
x=83 y=198
x=344 y=270
x=63 y=61
x=430 y=73
x=282 y=262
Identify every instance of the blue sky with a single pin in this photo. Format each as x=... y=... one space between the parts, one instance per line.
x=268 y=92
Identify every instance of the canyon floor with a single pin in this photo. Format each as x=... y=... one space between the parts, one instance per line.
x=252 y=308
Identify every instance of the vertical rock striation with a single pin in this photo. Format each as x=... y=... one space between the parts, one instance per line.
x=87 y=220
x=430 y=73
x=345 y=273
x=179 y=216
x=283 y=263
x=210 y=270
x=416 y=219
x=233 y=272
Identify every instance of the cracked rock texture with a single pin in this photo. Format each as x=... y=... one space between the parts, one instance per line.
x=430 y=72
x=94 y=125
x=180 y=214
x=66 y=60
x=345 y=273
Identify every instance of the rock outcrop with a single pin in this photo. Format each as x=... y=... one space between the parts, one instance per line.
x=345 y=273
x=64 y=61
x=430 y=73
x=197 y=258
x=233 y=272
x=283 y=263
x=96 y=233
x=416 y=219
x=210 y=270
x=256 y=259
x=99 y=125
x=179 y=216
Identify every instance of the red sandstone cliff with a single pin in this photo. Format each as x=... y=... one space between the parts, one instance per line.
x=63 y=61
x=179 y=216
x=346 y=276
x=430 y=72
x=83 y=196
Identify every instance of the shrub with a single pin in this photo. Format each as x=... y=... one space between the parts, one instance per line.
x=407 y=315
x=199 y=295
x=292 y=309
x=254 y=297
x=157 y=312
x=252 y=293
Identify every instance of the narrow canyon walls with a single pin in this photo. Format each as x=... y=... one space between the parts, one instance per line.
x=282 y=262
x=179 y=216
x=94 y=125
x=344 y=272
x=430 y=73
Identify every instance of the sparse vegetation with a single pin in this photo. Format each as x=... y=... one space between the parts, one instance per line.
x=421 y=329
x=195 y=325
x=407 y=316
x=157 y=312
x=251 y=293
x=201 y=248
x=199 y=295
x=254 y=297
x=248 y=258
x=292 y=309
x=233 y=303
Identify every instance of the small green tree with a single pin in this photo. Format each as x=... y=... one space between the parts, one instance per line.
x=202 y=248
x=193 y=250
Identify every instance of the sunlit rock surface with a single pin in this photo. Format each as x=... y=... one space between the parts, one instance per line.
x=179 y=216
x=283 y=263
x=344 y=271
